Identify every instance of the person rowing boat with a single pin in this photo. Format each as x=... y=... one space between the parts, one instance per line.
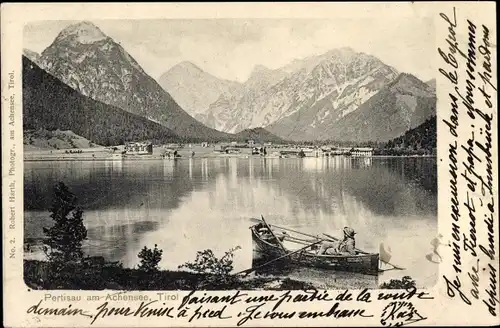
x=345 y=246
x=344 y=257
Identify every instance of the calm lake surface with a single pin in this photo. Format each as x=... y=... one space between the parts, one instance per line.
x=193 y=204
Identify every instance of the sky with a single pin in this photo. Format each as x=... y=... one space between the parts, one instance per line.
x=230 y=48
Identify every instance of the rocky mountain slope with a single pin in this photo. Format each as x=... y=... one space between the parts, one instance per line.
x=231 y=111
x=89 y=61
x=194 y=89
x=400 y=106
x=431 y=83
x=32 y=55
x=50 y=104
x=302 y=96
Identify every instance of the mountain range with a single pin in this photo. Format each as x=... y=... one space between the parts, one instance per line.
x=92 y=63
x=339 y=95
x=315 y=99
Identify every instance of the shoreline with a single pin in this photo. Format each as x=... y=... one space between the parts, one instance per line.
x=86 y=157
x=185 y=158
x=193 y=151
x=112 y=275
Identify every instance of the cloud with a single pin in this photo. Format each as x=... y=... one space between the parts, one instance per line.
x=39 y=35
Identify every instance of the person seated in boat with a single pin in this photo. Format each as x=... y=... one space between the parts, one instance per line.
x=266 y=235
x=346 y=246
x=259 y=226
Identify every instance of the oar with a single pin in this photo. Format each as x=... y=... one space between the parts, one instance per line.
x=393 y=266
x=271 y=231
x=247 y=271
x=291 y=230
x=331 y=237
x=306 y=241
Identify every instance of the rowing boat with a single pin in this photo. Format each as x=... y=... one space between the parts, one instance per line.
x=362 y=262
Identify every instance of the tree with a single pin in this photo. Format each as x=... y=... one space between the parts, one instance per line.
x=65 y=237
x=150 y=258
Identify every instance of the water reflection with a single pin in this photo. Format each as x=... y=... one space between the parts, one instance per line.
x=115 y=241
x=193 y=204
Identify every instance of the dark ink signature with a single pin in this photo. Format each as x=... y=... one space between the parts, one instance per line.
x=400 y=313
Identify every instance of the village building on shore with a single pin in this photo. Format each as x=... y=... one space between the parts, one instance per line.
x=362 y=152
x=139 y=148
x=351 y=151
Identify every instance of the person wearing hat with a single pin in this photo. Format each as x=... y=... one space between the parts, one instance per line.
x=265 y=234
x=345 y=246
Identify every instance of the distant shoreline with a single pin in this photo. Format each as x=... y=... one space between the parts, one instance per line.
x=103 y=154
x=152 y=158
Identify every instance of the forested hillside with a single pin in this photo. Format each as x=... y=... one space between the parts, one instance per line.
x=421 y=140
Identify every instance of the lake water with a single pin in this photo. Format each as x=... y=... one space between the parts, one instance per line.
x=193 y=204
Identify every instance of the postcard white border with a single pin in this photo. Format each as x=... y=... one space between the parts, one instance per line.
x=441 y=310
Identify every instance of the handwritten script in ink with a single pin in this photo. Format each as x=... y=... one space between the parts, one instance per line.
x=240 y=308
x=400 y=313
x=467 y=68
